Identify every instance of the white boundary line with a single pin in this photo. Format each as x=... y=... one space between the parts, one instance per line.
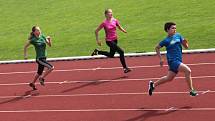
x=206 y=92
x=170 y=109
x=210 y=50
x=108 y=110
x=97 y=81
x=97 y=94
x=100 y=68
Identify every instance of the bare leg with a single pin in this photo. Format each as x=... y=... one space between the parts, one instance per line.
x=35 y=78
x=187 y=72
x=34 y=81
x=169 y=77
x=47 y=72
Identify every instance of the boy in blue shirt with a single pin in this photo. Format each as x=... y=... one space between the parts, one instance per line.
x=173 y=46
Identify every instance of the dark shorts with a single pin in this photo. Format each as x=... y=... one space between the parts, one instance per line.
x=41 y=64
x=174 y=65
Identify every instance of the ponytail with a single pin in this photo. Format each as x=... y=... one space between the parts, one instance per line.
x=32 y=32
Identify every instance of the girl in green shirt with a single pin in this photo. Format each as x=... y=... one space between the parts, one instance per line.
x=39 y=42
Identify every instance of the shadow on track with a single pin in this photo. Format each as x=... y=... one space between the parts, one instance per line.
x=26 y=95
x=94 y=82
x=154 y=113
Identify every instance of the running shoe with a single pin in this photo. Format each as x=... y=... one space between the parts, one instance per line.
x=126 y=70
x=32 y=85
x=95 y=52
x=42 y=81
x=193 y=93
x=151 y=87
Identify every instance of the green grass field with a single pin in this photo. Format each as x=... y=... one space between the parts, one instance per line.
x=71 y=23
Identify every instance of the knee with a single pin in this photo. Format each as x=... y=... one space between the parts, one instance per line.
x=188 y=71
x=111 y=56
x=39 y=73
x=168 y=78
x=121 y=52
x=52 y=68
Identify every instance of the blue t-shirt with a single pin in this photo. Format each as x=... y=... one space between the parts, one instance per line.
x=173 y=47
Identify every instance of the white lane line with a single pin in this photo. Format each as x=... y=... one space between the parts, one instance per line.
x=107 y=110
x=100 y=68
x=204 y=92
x=27 y=96
x=170 y=109
x=116 y=80
x=97 y=94
x=63 y=82
x=10 y=73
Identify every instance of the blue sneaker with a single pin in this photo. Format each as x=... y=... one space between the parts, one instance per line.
x=151 y=87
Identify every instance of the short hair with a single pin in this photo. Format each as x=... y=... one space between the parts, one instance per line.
x=168 y=25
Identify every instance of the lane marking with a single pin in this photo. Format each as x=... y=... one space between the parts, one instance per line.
x=27 y=96
x=63 y=82
x=204 y=92
x=101 y=94
x=100 y=68
x=115 y=80
x=170 y=109
x=107 y=110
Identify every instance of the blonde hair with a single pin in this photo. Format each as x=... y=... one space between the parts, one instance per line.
x=107 y=10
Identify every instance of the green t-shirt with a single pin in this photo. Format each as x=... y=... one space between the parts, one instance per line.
x=39 y=45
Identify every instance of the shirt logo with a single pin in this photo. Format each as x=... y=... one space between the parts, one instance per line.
x=172 y=42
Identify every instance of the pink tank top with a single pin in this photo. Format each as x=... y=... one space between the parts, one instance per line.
x=110 y=29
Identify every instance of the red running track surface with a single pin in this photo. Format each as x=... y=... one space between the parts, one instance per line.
x=98 y=90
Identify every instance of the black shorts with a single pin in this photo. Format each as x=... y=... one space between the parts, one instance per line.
x=41 y=64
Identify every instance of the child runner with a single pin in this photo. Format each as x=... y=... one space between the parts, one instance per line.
x=109 y=25
x=173 y=43
x=39 y=42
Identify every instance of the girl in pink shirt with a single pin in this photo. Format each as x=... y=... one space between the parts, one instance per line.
x=109 y=25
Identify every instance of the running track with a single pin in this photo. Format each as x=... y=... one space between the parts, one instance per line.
x=97 y=90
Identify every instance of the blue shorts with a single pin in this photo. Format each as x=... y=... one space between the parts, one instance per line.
x=173 y=66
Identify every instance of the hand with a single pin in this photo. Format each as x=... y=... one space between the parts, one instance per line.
x=99 y=43
x=185 y=43
x=49 y=41
x=48 y=38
